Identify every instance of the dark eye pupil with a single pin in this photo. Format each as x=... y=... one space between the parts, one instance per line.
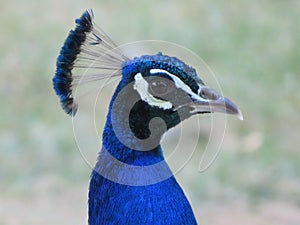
x=202 y=94
x=158 y=87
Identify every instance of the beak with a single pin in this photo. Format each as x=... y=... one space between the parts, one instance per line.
x=209 y=100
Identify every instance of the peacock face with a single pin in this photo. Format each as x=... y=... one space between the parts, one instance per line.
x=160 y=91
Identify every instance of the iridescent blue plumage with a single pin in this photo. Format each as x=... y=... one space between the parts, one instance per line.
x=159 y=202
x=111 y=202
x=131 y=182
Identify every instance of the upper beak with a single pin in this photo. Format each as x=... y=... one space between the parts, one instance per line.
x=210 y=100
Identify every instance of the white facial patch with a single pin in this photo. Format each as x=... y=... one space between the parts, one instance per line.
x=141 y=86
x=180 y=84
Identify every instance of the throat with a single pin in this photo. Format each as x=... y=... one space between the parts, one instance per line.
x=128 y=158
x=122 y=164
x=127 y=148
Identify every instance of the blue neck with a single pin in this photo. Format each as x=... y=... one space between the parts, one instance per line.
x=120 y=194
x=125 y=152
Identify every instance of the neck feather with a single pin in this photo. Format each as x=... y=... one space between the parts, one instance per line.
x=129 y=150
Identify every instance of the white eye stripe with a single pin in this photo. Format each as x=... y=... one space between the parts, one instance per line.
x=180 y=84
x=199 y=89
x=141 y=86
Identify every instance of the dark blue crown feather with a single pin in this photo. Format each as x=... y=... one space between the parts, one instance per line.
x=83 y=46
x=119 y=193
x=62 y=81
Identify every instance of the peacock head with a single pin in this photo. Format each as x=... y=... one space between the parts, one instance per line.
x=157 y=92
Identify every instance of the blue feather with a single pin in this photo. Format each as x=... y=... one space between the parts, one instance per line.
x=127 y=186
x=131 y=182
x=144 y=201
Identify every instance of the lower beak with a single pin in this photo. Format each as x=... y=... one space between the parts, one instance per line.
x=211 y=101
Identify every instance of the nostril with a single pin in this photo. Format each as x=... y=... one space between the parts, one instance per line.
x=209 y=94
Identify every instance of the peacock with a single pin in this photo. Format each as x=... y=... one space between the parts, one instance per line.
x=131 y=182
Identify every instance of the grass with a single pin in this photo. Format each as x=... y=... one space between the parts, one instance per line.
x=253 y=48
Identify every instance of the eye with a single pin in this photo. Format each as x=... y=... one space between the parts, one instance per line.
x=160 y=87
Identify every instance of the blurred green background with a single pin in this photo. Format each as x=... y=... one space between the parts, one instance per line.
x=252 y=46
